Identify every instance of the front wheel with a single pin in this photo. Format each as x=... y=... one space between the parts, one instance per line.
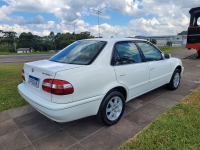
x=175 y=80
x=111 y=108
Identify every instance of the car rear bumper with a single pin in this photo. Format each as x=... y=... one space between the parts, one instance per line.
x=62 y=112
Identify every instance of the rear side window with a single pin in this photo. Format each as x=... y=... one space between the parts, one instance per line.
x=150 y=52
x=80 y=52
x=126 y=53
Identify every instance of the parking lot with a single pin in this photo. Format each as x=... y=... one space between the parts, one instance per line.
x=25 y=128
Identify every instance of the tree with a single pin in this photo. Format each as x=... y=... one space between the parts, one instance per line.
x=52 y=37
x=183 y=33
x=26 y=40
x=153 y=41
x=57 y=39
x=45 y=43
x=169 y=44
x=9 y=38
x=84 y=35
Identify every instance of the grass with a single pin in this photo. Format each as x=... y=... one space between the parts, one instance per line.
x=177 y=129
x=170 y=49
x=10 y=77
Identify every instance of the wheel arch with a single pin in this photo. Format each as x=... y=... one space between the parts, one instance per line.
x=176 y=63
x=121 y=89
x=179 y=68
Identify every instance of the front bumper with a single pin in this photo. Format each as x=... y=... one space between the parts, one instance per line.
x=62 y=112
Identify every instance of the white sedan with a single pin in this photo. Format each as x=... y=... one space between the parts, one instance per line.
x=96 y=77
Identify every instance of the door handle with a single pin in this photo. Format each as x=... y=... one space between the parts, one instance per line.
x=122 y=75
x=152 y=68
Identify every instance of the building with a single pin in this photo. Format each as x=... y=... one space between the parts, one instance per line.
x=176 y=40
x=24 y=50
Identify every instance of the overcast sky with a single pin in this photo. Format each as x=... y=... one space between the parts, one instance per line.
x=120 y=18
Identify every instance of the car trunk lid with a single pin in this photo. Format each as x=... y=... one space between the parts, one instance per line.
x=36 y=72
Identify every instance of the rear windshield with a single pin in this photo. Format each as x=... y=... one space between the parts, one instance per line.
x=79 y=52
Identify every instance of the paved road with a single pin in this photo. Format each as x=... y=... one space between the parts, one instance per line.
x=23 y=58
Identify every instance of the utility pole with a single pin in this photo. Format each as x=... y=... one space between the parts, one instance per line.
x=14 y=43
x=98 y=11
x=74 y=32
x=14 y=39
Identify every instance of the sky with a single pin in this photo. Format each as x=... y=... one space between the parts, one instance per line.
x=117 y=18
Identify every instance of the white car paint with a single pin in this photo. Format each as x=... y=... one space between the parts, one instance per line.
x=128 y=75
x=92 y=82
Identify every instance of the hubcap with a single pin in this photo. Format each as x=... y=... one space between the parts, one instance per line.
x=176 y=80
x=114 y=108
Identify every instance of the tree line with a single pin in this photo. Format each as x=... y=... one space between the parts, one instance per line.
x=9 y=42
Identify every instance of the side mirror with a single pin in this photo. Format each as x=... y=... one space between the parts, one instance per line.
x=167 y=56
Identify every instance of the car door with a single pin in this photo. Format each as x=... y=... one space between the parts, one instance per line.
x=130 y=68
x=159 y=68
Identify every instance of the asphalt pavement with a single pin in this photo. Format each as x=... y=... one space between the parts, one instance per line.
x=23 y=58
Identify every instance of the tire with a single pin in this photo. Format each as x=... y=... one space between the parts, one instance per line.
x=175 y=80
x=111 y=108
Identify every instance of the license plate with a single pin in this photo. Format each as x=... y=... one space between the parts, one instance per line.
x=33 y=81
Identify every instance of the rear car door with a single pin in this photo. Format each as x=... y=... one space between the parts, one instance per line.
x=130 y=68
x=159 y=68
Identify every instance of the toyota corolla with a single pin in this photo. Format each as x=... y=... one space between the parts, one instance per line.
x=97 y=77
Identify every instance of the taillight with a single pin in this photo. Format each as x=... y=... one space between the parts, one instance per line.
x=23 y=75
x=57 y=87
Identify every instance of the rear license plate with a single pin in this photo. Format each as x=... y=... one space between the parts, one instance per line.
x=33 y=81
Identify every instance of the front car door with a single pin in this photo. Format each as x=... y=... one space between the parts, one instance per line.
x=130 y=68
x=159 y=68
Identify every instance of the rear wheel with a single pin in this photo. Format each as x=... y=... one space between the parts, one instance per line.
x=175 y=80
x=111 y=108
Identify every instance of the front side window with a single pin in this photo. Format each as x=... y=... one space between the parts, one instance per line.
x=126 y=53
x=150 y=52
x=80 y=52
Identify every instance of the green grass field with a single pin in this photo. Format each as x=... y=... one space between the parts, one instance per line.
x=177 y=129
x=170 y=49
x=10 y=77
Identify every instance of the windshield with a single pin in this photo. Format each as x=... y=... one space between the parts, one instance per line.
x=80 y=52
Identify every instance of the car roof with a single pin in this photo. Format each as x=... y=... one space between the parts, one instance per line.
x=115 y=39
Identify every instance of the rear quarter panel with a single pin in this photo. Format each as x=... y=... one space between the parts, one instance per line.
x=88 y=81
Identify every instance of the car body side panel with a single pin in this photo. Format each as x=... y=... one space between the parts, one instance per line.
x=88 y=81
x=159 y=73
x=175 y=62
x=134 y=76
